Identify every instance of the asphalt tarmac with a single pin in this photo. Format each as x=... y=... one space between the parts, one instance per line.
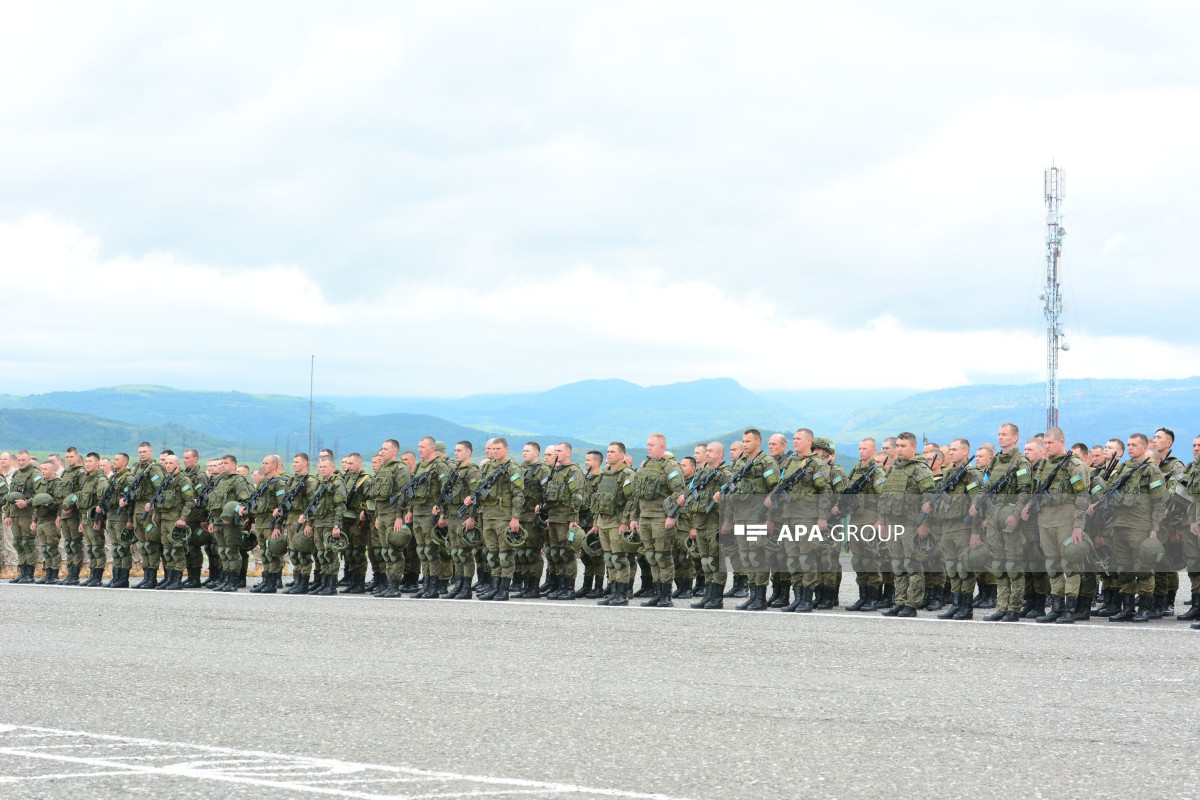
x=194 y=694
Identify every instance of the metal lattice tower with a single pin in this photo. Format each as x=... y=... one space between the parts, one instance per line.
x=1052 y=295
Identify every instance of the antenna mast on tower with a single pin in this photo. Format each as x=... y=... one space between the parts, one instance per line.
x=1056 y=338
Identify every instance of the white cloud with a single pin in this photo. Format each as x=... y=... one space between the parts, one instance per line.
x=157 y=318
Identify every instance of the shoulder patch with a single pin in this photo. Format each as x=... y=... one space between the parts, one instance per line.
x=516 y=476
x=768 y=472
x=154 y=478
x=1155 y=484
x=837 y=480
x=673 y=473
x=1076 y=479
x=971 y=485
x=1021 y=472
x=626 y=483
x=1096 y=489
x=187 y=487
x=571 y=479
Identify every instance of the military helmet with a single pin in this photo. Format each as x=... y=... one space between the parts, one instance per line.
x=439 y=446
x=41 y=499
x=1102 y=557
x=591 y=545
x=631 y=540
x=399 y=539
x=824 y=443
x=179 y=535
x=278 y=546
x=203 y=537
x=229 y=511
x=924 y=550
x=979 y=559
x=70 y=502
x=1150 y=553
x=127 y=536
x=472 y=537
x=340 y=542
x=517 y=538
x=1076 y=555
x=13 y=497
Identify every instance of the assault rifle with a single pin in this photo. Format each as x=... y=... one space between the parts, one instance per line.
x=1102 y=517
x=445 y=496
x=409 y=490
x=483 y=490
x=289 y=500
x=694 y=493
x=781 y=494
x=984 y=503
x=543 y=513
x=848 y=502
x=1043 y=491
x=158 y=496
x=131 y=491
x=312 y=506
x=243 y=517
x=732 y=483
x=947 y=486
x=105 y=505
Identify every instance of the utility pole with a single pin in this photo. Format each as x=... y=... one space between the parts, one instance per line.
x=1051 y=297
x=311 y=371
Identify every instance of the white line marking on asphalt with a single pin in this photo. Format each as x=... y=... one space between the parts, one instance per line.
x=64 y=775
x=189 y=766
x=681 y=608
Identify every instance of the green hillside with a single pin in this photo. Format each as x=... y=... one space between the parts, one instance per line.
x=37 y=429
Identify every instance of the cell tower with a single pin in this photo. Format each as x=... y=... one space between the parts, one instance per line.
x=1056 y=337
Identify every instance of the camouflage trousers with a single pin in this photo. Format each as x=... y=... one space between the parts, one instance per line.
x=227 y=536
x=24 y=537
x=658 y=541
x=615 y=558
x=681 y=556
x=462 y=555
x=326 y=556
x=500 y=560
x=149 y=544
x=1125 y=543
x=355 y=554
x=711 y=564
x=1063 y=580
x=806 y=556
x=120 y=542
x=97 y=557
x=561 y=548
x=48 y=537
x=865 y=557
x=69 y=524
x=529 y=557
x=174 y=553
x=1008 y=558
x=956 y=547
x=429 y=553
x=1191 y=558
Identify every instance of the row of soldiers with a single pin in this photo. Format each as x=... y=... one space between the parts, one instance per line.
x=1036 y=529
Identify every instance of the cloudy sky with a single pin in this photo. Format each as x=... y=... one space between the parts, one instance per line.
x=445 y=198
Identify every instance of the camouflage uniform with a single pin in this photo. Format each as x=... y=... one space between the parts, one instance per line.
x=908 y=484
x=424 y=498
x=528 y=570
x=71 y=521
x=462 y=481
x=46 y=522
x=657 y=483
x=120 y=538
x=302 y=487
x=389 y=480
x=956 y=528
x=865 y=549
x=90 y=493
x=1008 y=547
x=358 y=488
x=327 y=511
x=494 y=513
x=811 y=499
x=1166 y=580
x=148 y=475
x=696 y=516
x=761 y=476
x=610 y=505
x=1062 y=510
x=1145 y=495
x=171 y=504
x=832 y=574
x=1191 y=542
x=26 y=481
x=563 y=495
x=264 y=500
x=227 y=533
x=198 y=540
x=593 y=565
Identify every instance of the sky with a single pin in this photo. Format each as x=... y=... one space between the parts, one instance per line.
x=438 y=199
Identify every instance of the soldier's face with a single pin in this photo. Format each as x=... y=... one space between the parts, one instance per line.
x=267 y=467
x=712 y=454
x=119 y=463
x=982 y=458
x=299 y=465
x=905 y=449
x=22 y=461
x=144 y=453
x=5 y=462
x=529 y=454
x=698 y=453
x=228 y=467
x=425 y=449
x=1135 y=448
x=1162 y=442
x=775 y=446
x=551 y=456
x=655 y=447
x=90 y=465
x=325 y=468
x=688 y=468
x=500 y=451
x=1055 y=447
x=376 y=462
x=958 y=453
x=613 y=455
x=48 y=469
x=880 y=459
x=387 y=451
x=1006 y=437
x=591 y=462
x=461 y=454
x=1034 y=450
x=802 y=443
x=1196 y=448
x=1111 y=450
x=1098 y=456
x=735 y=450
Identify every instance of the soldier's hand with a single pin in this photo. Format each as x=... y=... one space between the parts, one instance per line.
x=822 y=525
x=1153 y=534
x=716 y=497
x=923 y=530
x=634 y=526
x=128 y=526
x=398 y=525
x=680 y=500
x=973 y=511
x=95 y=525
x=8 y=520
x=469 y=501
x=537 y=509
x=336 y=533
x=726 y=528
x=97 y=509
x=469 y=524
x=147 y=508
x=80 y=527
x=33 y=527
x=768 y=503
x=1090 y=509
x=594 y=529
x=1195 y=528
x=302 y=518
x=308 y=530
x=669 y=523
x=834 y=511
x=408 y=518
x=1025 y=514
x=21 y=504
x=275 y=513
x=120 y=502
x=514 y=524
x=976 y=542
x=362 y=516
x=926 y=507
x=275 y=534
x=692 y=533
x=1010 y=524
x=1098 y=541
x=180 y=523
x=58 y=520
x=441 y=521
x=622 y=528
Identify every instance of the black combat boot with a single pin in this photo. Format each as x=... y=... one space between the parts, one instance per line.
x=193 y=579
x=391 y=588
x=858 y=604
x=409 y=582
x=737 y=580
x=145 y=578
x=168 y=576
x=488 y=588
x=1167 y=605
x=314 y=583
x=72 y=578
x=1083 y=609
x=620 y=596
x=212 y=577
x=1011 y=616
x=328 y=585
x=995 y=616
x=355 y=586
x=966 y=610
x=299 y=585
x=1112 y=604
x=464 y=590
x=828 y=598
x=568 y=590
x=346 y=579
x=701 y=587
x=1127 y=609
x=151 y=579
x=797 y=600
x=758 y=599
x=216 y=578
x=708 y=593
x=993 y=591
x=241 y=584
x=776 y=595
x=1193 y=612
x=1037 y=606
x=597 y=588
x=893 y=608
x=1156 y=606
x=717 y=600
x=262 y=583
x=956 y=604
x=1056 y=609
x=93 y=577
x=887 y=595
x=872 y=603
x=231 y=582
x=980 y=598
x=50 y=578
x=664 y=594
x=935 y=601
x=1145 y=609
x=646 y=589
x=744 y=589
x=1069 y=605
x=454 y=587
x=654 y=600
x=123 y=583
x=907 y=611
x=274 y=579
x=683 y=588
x=807 y=600
x=502 y=589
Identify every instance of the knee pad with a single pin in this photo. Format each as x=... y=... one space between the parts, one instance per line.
x=492 y=562
x=504 y=558
x=707 y=564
